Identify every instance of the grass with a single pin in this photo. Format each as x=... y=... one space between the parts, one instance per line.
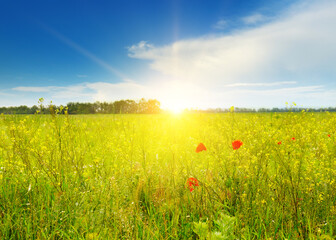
x=125 y=176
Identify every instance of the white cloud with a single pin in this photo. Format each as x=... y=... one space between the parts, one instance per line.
x=185 y=95
x=221 y=24
x=104 y=91
x=261 y=84
x=299 y=45
x=34 y=89
x=139 y=50
x=56 y=91
x=289 y=91
x=307 y=96
x=61 y=94
x=97 y=91
x=254 y=19
x=170 y=93
x=5 y=94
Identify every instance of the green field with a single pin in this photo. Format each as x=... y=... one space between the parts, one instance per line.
x=126 y=176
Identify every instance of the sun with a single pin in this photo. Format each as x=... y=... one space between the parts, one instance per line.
x=176 y=96
x=174 y=107
x=176 y=110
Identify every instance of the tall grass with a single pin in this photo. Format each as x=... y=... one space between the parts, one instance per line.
x=125 y=176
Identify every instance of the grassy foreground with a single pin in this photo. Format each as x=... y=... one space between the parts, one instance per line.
x=126 y=176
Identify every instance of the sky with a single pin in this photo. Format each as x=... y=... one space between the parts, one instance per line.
x=187 y=54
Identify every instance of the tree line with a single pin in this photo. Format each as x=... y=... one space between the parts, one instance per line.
x=116 y=107
x=132 y=106
x=263 y=110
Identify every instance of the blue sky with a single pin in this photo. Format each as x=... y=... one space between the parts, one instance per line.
x=197 y=54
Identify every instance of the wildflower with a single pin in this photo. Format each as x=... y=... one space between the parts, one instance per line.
x=279 y=142
x=237 y=144
x=293 y=138
x=192 y=183
x=200 y=148
x=328 y=135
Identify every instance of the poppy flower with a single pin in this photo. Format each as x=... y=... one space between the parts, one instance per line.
x=236 y=144
x=328 y=135
x=200 y=148
x=279 y=143
x=192 y=183
x=293 y=138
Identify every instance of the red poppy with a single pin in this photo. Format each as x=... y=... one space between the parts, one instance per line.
x=192 y=183
x=236 y=144
x=328 y=135
x=293 y=139
x=200 y=148
x=279 y=143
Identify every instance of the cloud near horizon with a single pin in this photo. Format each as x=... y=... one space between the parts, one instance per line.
x=104 y=91
x=220 y=25
x=255 y=19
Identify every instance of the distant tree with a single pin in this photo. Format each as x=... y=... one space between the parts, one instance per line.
x=153 y=106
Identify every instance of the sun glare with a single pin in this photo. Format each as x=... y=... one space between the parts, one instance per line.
x=177 y=96
x=175 y=108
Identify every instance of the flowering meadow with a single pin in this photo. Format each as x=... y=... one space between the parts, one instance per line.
x=161 y=176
